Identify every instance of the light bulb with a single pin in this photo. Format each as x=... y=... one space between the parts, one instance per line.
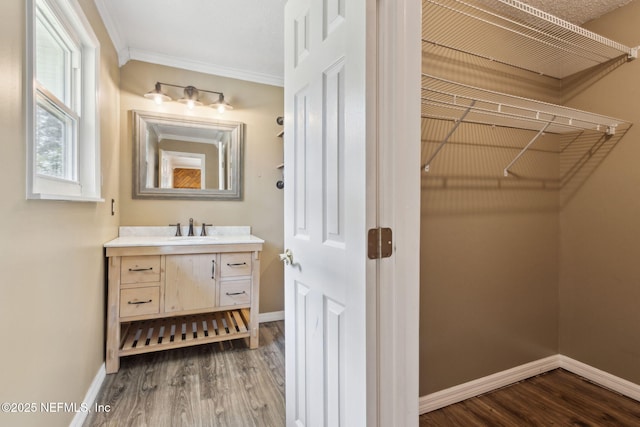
x=190 y=104
x=221 y=109
x=157 y=95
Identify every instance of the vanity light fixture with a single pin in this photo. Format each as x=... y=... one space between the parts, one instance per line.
x=157 y=95
x=190 y=98
x=221 y=105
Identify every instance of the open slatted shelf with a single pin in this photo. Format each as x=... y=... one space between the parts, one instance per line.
x=175 y=332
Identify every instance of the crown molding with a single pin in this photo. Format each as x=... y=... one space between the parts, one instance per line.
x=112 y=29
x=199 y=66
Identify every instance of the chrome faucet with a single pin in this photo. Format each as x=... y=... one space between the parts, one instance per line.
x=191 y=227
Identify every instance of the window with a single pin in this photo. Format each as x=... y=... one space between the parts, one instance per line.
x=63 y=144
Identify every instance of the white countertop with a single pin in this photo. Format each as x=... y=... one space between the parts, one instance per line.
x=165 y=236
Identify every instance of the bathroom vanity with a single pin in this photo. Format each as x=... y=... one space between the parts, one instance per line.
x=167 y=291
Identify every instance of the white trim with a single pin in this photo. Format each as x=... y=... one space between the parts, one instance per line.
x=112 y=29
x=272 y=316
x=474 y=388
x=90 y=397
x=601 y=378
x=464 y=391
x=202 y=67
x=65 y=197
x=397 y=121
x=124 y=56
x=88 y=185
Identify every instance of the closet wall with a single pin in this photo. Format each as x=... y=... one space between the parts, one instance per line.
x=600 y=226
x=498 y=288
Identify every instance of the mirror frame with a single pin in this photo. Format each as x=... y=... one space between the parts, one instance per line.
x=139 y=121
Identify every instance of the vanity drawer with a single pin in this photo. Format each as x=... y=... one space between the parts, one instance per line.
x=140 y=269
x=235 y=264
x=235 y=293
x=139 y=301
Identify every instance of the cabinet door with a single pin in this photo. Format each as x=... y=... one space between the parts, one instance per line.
x=190 y=282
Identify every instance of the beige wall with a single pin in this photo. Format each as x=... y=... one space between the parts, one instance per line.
x=600 y=226
x=257 y=106
x=51 y=257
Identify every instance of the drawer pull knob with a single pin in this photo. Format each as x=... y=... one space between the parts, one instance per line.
x=141 y=269
x=229 y=294
x=138 y=302
x=236 y=264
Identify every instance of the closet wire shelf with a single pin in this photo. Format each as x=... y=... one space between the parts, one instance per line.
x=444 y=99
x=518 y=35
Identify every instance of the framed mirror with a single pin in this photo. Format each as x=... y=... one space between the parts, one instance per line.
x=178 y=157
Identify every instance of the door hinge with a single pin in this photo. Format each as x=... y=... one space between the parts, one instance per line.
x=380 y=243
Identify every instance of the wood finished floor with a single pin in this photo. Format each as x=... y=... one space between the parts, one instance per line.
x=217 y=385
x=229 y=385
x=557 y=398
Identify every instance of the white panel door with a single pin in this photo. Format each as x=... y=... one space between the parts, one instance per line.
x=325 y=212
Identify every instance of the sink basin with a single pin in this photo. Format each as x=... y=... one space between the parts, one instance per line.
x=194 y=238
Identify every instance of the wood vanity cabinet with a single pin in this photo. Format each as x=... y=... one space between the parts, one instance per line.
x=164 y=297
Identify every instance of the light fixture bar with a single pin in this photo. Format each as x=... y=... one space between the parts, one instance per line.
x=190 y=96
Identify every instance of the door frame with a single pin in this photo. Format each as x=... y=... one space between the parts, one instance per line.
x=396 y=125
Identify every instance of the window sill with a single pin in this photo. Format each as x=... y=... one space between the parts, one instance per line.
x=65 y=198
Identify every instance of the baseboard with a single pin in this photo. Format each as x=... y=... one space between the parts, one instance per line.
x=601 y=378
x=461 y=392
x=474 y=388
x=272 y=316
x=90 y=397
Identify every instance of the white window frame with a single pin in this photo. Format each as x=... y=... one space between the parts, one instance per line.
x=84 y=181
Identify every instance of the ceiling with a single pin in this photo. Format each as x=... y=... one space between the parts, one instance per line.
x=232 y=38
x=577 y=11
x=242 y=39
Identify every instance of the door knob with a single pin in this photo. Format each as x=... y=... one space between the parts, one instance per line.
x=286 y=257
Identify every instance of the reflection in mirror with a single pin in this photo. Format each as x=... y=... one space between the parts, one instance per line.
x=186 y=158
